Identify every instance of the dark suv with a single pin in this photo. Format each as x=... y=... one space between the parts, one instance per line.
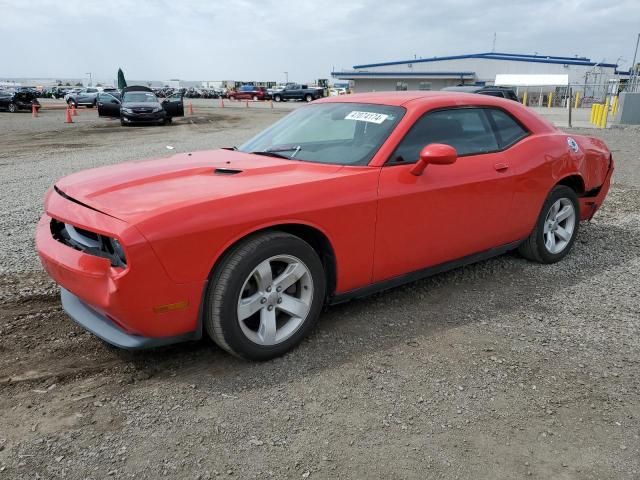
x=249 y=92
x=503 y=92
x=21 y=100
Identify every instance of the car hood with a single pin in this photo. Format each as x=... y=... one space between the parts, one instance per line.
x=135 y=191
x=141 y=104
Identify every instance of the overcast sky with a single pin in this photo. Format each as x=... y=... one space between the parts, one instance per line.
x=261 y=39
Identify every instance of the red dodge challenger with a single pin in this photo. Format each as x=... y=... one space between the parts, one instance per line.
x=341 y=198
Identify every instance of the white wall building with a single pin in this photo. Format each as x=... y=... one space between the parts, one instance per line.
x=478 y=68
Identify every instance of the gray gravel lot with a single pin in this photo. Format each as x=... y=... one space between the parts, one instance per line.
x=501 y=370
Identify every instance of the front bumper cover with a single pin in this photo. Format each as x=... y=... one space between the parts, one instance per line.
x=103 y=328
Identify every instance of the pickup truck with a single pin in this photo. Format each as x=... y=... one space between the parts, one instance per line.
x=298 y=92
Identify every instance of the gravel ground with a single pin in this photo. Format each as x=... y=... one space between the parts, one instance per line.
x=502 y=370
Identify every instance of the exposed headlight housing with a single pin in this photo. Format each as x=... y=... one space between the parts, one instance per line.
x=118 y=259
x=157 y=109
x=89 y=242
x=127 y=110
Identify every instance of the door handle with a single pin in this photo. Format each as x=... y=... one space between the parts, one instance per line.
x=501 y=167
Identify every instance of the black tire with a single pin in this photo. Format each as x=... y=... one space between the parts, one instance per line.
x=277 y=98
x=72 y=103
x=220 y=315
x=255 y=98
x=308 y=98
x=13 y=108
x=533 y=248
x=123 y=123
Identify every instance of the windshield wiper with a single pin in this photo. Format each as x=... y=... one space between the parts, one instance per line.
x=268 y=153
x=289 y=148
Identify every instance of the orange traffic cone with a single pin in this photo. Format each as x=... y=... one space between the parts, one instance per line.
x=190 y=108
x=68 y=119
x=34 y=110
x=73 y=110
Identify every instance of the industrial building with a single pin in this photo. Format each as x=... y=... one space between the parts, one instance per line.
x=478 y=68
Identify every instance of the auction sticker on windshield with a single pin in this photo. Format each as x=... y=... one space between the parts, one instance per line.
x=367 y=117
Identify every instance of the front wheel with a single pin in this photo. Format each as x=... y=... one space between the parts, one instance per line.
x=308 y=98
x=277 y=98
x=255 y=98
x=265 y=296
x=556 y=228
x=13 y=108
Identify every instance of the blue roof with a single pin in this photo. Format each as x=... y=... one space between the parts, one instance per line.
x=403 y=74
x=514 y=57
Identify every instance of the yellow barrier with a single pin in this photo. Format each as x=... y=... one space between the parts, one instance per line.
x=593 y=113
x=614 y=105
x=524 y=98
x=550 y=100
x=605 y=112
x=598 y=116
x=575 y=105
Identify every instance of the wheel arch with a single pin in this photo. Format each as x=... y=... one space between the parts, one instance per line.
x=311 y=234
x=573 y=181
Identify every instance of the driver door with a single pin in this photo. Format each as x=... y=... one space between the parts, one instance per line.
x=174 y=105
x=450 y=211
x=108 y=106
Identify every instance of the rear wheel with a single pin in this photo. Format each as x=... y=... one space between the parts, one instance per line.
x=277 y=98
x=308 y=98
x=255 y=98
x=265 y=296
x=556 y=228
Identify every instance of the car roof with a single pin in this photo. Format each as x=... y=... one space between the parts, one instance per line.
x=425 y=100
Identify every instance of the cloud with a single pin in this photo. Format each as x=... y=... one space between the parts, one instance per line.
x=259 y=40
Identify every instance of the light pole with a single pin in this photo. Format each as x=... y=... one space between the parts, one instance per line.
x=635 y=54
x=90 y=78
x=286 y=77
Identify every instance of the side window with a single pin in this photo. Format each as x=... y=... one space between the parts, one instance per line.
x=508 y=130
x=401 y=86
x=493 y=93
x=466 y=129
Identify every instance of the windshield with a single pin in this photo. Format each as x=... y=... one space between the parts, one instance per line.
x=139 y=97
x=339 y=133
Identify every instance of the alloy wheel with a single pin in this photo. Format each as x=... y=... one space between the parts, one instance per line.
x=559 y=225
x=275 y=300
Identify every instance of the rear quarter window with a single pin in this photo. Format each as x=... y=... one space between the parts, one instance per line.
x=508 y=130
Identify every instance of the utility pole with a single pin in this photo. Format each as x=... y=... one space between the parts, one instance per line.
x=635 y=54
x=493 y=48
x=90 y=79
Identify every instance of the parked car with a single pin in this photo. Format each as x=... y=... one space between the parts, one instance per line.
x=13 y=101
x=85 y=96
x=60 y=92
x=248 y=92
x=293 y=91
x=342 y=198
x=502 y=92
x=139 y=104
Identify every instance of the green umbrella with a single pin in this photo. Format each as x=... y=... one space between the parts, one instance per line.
x=121 y=81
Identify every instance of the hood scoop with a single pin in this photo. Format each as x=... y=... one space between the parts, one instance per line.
x=226 y=171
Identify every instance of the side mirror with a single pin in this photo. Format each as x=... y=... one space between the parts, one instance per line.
x=435 y=154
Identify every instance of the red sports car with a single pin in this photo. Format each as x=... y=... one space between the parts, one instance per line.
x=341 y=198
